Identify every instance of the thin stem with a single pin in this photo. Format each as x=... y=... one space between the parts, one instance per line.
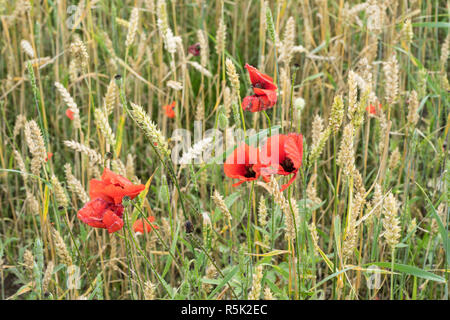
x=392 y=273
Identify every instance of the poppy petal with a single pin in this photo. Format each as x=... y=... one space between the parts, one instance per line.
x=49 y=156
x=138 y=225
x=113 y=187
x=259 y=78
x=238 y=183
x=270 y=96
x=251 y=103
x=294 y=149
x=241 y=163
x=112 y=222
x=283 y=187
x=257 y=103
x=273 y=151
x=70 y=114
x=169 y=110
x=92 y=213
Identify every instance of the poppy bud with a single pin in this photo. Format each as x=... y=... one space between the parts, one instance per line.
x=164 y=196
x=194 y=49
x=125 y=201
x=118 y=79
x=299 y=104
x=109 y=155
x=60 y=208
x=189 y=227
x=223 y=120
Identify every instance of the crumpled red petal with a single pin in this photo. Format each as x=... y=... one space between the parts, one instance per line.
x=257 y=77
x=265 y=91
x=138 y=225
x=269 y=96
x=256 y=103
x=252 y=103
x=94 y=212
x=112 y=222
x=113 y=187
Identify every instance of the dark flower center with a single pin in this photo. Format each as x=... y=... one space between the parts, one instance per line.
x=258 y=85
x=288 y=165
x=194 y=49
x=249 y=172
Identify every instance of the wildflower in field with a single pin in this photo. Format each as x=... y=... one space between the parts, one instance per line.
x=372 y=110
x=99 y=213
x=281 y=154
x=113 y=187
x=142 y=226
x=194 y=49
x=70 y=114
x=105 y=209
x=242 y=164
x=189 y=227
x=49 y=156
x=265 y=91
x=169 y=110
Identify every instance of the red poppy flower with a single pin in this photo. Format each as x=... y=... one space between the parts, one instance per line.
x=194 y=49
x=99 y=213
x=69 y=114
x=282 y=154
x=49 y=156
x=371 y=109
x=113 y=187
x=265 y=91
x=138 y=225
x=169 y=110
x=241 y=164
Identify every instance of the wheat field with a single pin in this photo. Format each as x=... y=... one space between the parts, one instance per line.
x=226 y=149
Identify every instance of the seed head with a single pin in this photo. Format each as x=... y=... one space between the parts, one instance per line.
x=391 y=223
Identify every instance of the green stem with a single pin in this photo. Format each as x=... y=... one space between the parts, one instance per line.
x=242 y=117
x=268 y=123
x=392 y=271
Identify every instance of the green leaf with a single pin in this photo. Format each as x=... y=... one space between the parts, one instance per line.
x=172 y=249
x=331 y=276
x=438 y=24
x=39 y=253
x=337 y=233
x=314 y=76
x=224 y=281
x=411 y=270
x=231 y=198
x=281 y=270
x=442 y=229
